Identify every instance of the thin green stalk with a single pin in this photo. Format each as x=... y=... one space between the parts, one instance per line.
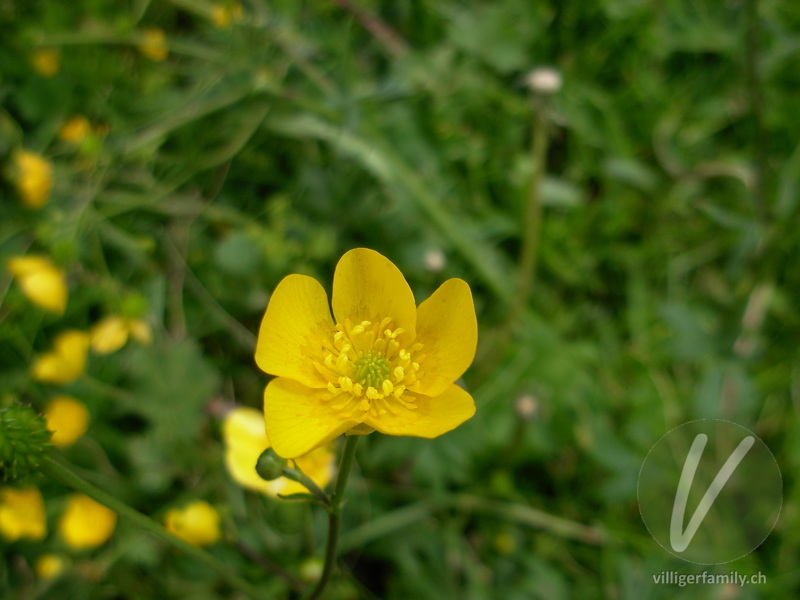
x=335 y=515
x=57 y=469
x=308 y=483
x=520 y=514
x=533 y=218
x=756 y=98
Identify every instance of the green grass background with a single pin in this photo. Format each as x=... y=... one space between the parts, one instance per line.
x=665 y=289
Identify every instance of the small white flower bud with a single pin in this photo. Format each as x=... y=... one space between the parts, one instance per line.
x=544 y=80
x=527 y=406
x=435 y=260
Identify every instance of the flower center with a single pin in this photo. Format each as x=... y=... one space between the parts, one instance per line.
x=368 y=369
x=371 y=369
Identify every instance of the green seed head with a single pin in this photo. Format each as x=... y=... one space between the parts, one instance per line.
x=24 y=438
x=371 y=369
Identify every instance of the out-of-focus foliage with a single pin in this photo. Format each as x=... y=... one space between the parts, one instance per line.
x=193 y=168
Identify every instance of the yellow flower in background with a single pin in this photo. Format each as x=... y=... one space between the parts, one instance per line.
x=75 y=129
x=86 y=523
x=141 y=331
x=66 y=361
x=111 y=333
x=196 y=523
x=22 y=514
x=49 y=566
x=222 y=15
x=154 y=44
x=41 y=281
x=33 y=177
x=67 y=418
x=246 y=438
x=46 y=61
x=384 y=365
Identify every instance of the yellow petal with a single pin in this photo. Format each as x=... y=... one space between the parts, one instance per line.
x=67 y=418
x=46 y=61
x=433 y=416
x=141 y=331
x=34 y=178
x=296 y=320
x=298 y=419
x=368 y=287
x=196 y=523
x=448 y=331
x=50 y=368
x=109 y=335
x=74 y=344
x=75 y=129
x=41 y=281
x=22 y=514
x=154 y=44
x=246 y=438
x=49 y=566
x=220 y=16
x=21 y=266
x=47 y=289
x=66 y=361
x=86 y=523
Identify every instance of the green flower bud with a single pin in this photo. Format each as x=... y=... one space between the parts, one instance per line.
x=24 y=438
x=270 y=466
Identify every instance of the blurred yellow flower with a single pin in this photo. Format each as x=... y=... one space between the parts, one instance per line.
x=66 y=361
x=67 y=418
x=75 y=129
x=222 y=15
x=46 y=61
x=246 y=438
x=140 y=330
x=154 y=44
x=385 y=365
x=196 y=523
x=33 y=177
x=22 y=514
x=111 y=333
x=49 y=566
x=41 y=281
x=86 y=523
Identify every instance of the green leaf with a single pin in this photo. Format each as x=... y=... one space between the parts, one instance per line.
x=172 y=384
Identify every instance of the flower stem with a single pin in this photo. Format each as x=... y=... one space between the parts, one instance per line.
x=755 y=91
x=61 y=471
x=306 y=481
x=533 y=217
x=335 y=515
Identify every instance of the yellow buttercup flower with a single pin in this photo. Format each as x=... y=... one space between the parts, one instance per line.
x=222 y=15
x=154 y=44
x=66 y=361
x=41 y=281
x=22 y=514
x=384 y=364
x=196 y=523
x=111 y=333
x=67 y=418
x=246 y=438
x=33 y=178
x=86 y=523
x=49 y=566
x=75 y=129
x=140 y=330
x=46 y=61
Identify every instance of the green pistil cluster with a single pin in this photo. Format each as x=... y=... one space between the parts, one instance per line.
x=24 y=438
x=371 y=370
